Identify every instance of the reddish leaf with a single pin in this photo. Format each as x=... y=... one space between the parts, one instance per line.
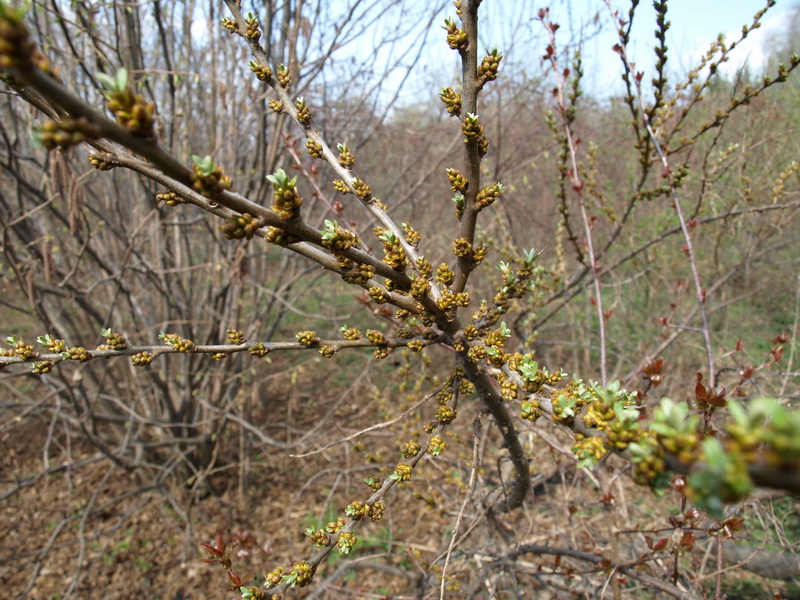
x=660 y=544
x=716 y=397
x=234 y=577
x=700 y=391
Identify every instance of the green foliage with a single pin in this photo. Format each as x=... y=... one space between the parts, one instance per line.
x=116 y=84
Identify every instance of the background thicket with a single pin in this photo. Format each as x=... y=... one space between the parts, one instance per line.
x=113 y=474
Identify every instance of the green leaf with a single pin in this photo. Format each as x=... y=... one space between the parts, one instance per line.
x=106 y=81
x=206 y=164
x=122 y=79
x=279 y=179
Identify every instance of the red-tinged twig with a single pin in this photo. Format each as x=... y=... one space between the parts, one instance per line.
x=577 y=184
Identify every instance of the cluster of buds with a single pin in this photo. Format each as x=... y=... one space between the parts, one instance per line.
x=280 y=237
x=42 y=367
x=508 y=387
x=378 y=295
x=402 y=472
x=275 y=576
x=479 y=253
x=314 y=148
x=131 y=110
x=303 y=112
x=177 y=342
x=424 y=267
x=258 y=350
x=362 y=190
x=346 y=157
x=346 y=542
x=208 y=178
x=473 y=132
x=376 y=512
x=373 y=482
x=350 y=333
x=340 y=186
x=252 y=33
x=458 y=183
x=142 y=359
x=477 y=353
x=381 y=353
x=357 y=510
x=413 y=238
x=450 y=300
x=488 y=195
x=456 y=38
x=64 y=134
x=452 y=101
x=77 y=353
x=169 y=198
x=327 y=351
x=624 y=429
x=588 y=450
x=263 y=72
x=240 y=227
x=598 y=414
x=334 y=526
x=285 y=199
x=516 y=285
x=230 y=24
x=20 y=348
x=53 y=344
x=236 y=337
x=420 y=288
x=307 y=338
x=530 y=410
x=648 y=460
x=338 y=239
x=114 y=341
x=102 y=162
x=436 y=445
x=394 y=255
x=767 y=426
x=444 y=274
x=487 y=70
x=318 y=537
x=677 y=430
x=416 y=345
x=16 y=48
x=376 y=337
x=275 y=106
x=356 y=273
x=565 y=407
x=284 y=76
x=15 y=44
x=411 y=449
x=462 y=248
x=445 y=414
x=302 y=574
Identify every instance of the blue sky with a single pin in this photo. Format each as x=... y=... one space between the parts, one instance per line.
x=511 y=25
x=695 y=24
